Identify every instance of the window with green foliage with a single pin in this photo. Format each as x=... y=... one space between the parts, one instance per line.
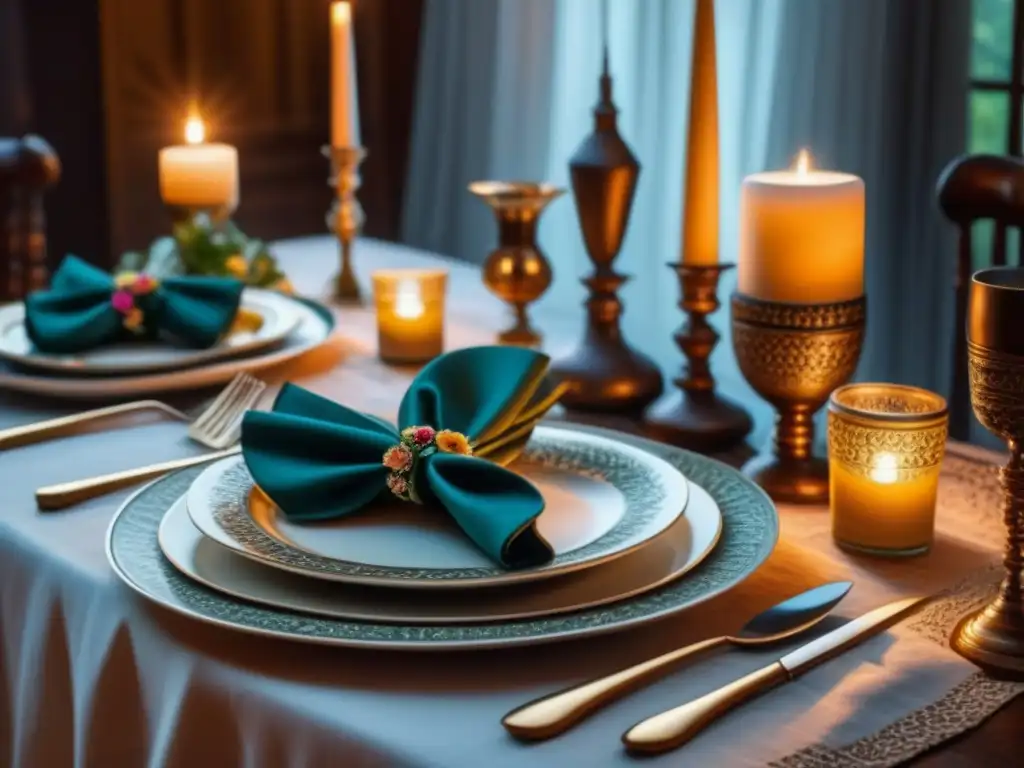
x=996 y=106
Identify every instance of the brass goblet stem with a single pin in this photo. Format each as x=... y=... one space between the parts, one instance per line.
x=794 y=355
x=346 y=217
x=993 y=638
x=701 y=419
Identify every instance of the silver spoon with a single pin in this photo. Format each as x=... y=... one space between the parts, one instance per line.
x=554 y=714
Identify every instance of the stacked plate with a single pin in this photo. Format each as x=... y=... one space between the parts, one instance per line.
x=290 y=327
x=640 y=530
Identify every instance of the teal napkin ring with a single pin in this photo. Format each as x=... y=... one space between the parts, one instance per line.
x=465 y=416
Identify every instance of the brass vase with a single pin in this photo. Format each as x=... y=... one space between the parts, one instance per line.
x=794 y=355
x=993 y=638
x=517 y=271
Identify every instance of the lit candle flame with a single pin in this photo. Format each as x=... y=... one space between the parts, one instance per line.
x=885 y=469
x=803 y=162
x=195 y=131
x=408 y=303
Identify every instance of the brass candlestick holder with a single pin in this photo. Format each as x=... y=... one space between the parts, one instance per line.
x=993 y=638
x=517 y=271
x=605 y=374
x=346 y=217
x=701 y=419
x=794 y=355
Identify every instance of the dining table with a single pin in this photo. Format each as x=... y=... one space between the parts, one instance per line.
x=93 y=675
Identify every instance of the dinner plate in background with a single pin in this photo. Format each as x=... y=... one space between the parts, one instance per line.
x=602 y=499
x=668 y=556
x=315 y=326
x=280 y=314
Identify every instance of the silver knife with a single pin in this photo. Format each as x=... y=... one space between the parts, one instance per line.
x=674 y=727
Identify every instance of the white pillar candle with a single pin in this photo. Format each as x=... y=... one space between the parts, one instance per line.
x=802 y=236
x=198 y=175
x=700 y=221
x=344 y=94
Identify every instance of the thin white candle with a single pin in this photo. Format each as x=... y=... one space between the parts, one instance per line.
x=344 y=93
x=198 y=175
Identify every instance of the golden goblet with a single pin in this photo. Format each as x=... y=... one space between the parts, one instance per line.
x=993 y=638
x=517 y=271
x=794 y=355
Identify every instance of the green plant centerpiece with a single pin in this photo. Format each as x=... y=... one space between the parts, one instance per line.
x=201 y=246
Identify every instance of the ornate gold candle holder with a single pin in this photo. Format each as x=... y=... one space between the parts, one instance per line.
x=346 y=217
x=794 y=355
x=517 y=272
x=700 y=419
x=885 y=449
x=993 y=638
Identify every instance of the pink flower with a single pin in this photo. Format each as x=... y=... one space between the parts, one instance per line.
x=398 y=458
x=423 y=435
x=143 y=284
x=123 y=301
x=397 y=484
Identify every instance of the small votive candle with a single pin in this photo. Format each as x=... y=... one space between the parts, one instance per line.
x=410 y=313
x=885 y=445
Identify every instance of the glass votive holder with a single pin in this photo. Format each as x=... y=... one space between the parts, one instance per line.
x=885 y=447
x=410 y=313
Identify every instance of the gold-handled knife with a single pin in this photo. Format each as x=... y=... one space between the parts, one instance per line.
x=674 y=727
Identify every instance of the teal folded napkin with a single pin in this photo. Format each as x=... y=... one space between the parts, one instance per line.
x=85 y=308
x=464 y=416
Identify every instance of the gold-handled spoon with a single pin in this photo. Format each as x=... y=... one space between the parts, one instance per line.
x=554 y=714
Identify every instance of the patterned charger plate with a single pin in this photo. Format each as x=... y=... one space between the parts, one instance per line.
x=750 y=530
x=603 y=499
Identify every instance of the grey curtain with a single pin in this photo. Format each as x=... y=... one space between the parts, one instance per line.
x=879 y=88
x=462 y=131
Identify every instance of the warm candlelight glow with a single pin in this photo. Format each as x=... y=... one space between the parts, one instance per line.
x=341 y=13
x=885 y=444
x=410 y=313
x=885 y=469
x=803 y=162
x=408 y=303
x=195 y=131
x=802 y=235
x=196 y=174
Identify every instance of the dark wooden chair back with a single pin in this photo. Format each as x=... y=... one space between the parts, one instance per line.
x=28 y=166
x=976 y=188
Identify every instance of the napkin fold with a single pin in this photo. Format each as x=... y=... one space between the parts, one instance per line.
x=86 y=308
x=465 y=415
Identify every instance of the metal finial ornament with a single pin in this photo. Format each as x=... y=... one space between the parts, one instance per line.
x=604 y=373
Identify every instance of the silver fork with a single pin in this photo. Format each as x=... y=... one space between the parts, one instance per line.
x=39 y=431
x=218 y=427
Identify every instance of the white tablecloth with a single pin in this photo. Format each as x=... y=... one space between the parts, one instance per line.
x=90 y=675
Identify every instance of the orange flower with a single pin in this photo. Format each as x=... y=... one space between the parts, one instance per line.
x=448 y=441
x=134 y=319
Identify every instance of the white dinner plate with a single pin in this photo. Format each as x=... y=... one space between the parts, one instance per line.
x=314 y=326
x=280 y=314
x=668 y=556
x=602 y=499
x=750 y=528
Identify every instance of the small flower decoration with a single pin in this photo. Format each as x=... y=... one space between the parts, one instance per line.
x=398 y=458
x=237 y=266
x=419 y=442
x=129 y=286
x=453 y=442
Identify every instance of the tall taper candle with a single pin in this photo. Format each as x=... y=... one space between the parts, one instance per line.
x=344 y=93
x=700 y=222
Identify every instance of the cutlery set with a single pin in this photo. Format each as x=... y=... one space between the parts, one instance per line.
x=218 y=427
x=552 y=715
